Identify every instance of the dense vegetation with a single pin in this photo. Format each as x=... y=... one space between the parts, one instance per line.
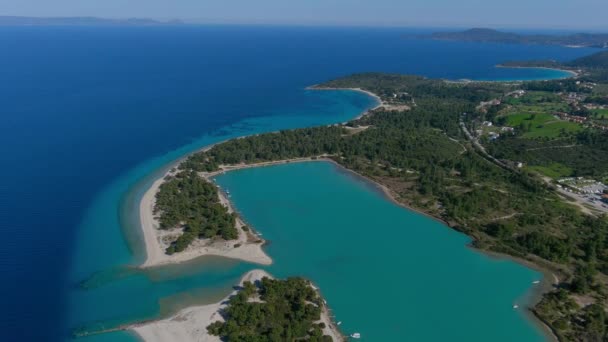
x=597 y=60
x=542 y=141
x=188 y=200
x=581 y=154
x=595 y=68
x=279 y=310
x=423 y=156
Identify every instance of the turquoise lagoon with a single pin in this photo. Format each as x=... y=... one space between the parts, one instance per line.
x=386 y=272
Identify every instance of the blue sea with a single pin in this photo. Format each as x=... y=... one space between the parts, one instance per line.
x=90 y=116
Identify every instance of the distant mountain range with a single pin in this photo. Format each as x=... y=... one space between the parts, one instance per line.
x=81 y=21
x=598 y=40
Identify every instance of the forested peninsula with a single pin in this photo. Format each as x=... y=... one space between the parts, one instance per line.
x=419 y=146
x=594 y=67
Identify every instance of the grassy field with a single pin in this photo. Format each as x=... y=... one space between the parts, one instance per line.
x=597 y=113
x=537 y=102
x=555 y=170
x=541 y=125
x=601 y=89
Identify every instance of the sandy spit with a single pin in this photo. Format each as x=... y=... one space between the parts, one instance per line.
x=190 y=324
x=156 y=240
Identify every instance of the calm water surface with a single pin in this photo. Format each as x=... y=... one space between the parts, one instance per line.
x=386 y=272
x=91 y=115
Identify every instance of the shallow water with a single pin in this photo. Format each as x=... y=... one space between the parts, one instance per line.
x=386 y=272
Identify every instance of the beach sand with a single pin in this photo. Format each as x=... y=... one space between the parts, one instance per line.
x=190 y=324
x=156 y=240
x=369 y=93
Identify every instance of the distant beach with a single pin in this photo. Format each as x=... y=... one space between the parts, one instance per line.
x=571 y=72
x=379 y=104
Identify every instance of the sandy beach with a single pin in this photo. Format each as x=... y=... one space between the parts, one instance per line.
x=190 y=324
x=156 y=240
x=571 y=72
x=369 y=93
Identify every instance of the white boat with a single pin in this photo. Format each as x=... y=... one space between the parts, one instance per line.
x=339 y=323
x=536 y=282
x=355 y=335
x=515 y=306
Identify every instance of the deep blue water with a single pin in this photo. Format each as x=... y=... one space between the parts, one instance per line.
x=87 y=112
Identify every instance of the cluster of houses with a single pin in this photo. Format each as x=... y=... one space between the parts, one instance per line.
x=581 y=120
x=517 y=93
x=574 y=97
x=591 y=106
x=582 y=186
x=484 y=105
x=572 y=118
x=588 y=85
x=402 y=97
x=493 y=135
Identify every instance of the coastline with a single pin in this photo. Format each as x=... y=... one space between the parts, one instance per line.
x=534 y=293
x=368 y=93
x=190 y=324
x=532 y=296
x=195 y=312
x=571 y=72
x=250 y=248
x=251 y=245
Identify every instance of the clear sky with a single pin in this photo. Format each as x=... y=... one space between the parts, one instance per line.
x=591 y=14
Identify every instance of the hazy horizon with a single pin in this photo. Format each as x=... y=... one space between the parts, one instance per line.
x=210 y=22
x=515 y=14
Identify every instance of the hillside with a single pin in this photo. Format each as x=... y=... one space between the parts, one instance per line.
x=596 y=61
x=599 y=40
